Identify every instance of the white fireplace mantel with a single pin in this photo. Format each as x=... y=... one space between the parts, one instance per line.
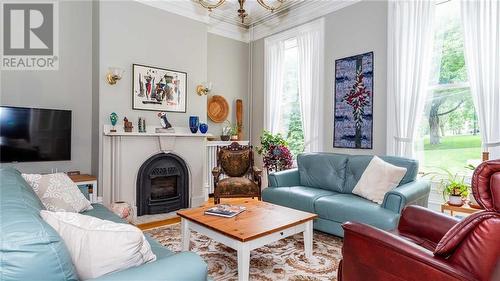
x=124 y=153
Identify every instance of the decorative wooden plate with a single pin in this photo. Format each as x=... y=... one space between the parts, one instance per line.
x=217 y=109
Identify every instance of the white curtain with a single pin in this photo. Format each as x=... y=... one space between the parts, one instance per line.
x=410 y=30
x=481 y=22
x=309 y=49
x=273 y=84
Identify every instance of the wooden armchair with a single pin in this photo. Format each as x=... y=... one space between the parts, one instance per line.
x=241 y=179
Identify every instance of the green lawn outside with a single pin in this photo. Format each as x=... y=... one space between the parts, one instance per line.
x=452 y=153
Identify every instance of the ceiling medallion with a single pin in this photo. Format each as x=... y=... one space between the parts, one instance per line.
x=241 y=11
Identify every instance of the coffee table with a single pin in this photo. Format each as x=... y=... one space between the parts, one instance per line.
x=262 y=223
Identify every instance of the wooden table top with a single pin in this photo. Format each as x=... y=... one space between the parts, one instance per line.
x=82 y=178
x=259 y=219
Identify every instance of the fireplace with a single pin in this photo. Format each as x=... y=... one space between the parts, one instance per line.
x=162 y=185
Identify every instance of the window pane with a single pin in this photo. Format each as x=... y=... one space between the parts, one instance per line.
x=291 y=120
x=449 y=134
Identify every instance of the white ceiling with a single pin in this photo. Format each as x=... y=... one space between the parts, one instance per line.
x=256 y=13
x=259 y=23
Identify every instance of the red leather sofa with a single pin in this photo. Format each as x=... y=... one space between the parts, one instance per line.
x=428 y=245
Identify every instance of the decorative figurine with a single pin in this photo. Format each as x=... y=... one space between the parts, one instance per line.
x=127 y=126
x=113 y=117
x=203 y=128
x=164 y=121
x=141 y=125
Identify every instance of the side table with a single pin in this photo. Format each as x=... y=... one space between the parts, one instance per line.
x=90 y=182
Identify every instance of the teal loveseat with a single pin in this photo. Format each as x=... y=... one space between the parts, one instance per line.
x=323 y=184
x=32 y=250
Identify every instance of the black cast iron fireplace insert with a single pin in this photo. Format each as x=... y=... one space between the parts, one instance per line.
x=162 y=185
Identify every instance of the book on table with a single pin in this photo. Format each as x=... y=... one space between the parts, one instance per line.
x=224 y=210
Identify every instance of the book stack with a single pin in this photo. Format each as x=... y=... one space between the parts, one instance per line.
x=224 y=210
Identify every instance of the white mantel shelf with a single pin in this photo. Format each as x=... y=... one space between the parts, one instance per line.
x=150 y=132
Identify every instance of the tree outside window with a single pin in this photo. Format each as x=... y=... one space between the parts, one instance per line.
x=449 y=132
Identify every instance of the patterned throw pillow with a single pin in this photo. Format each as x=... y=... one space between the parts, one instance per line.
x=58 y=192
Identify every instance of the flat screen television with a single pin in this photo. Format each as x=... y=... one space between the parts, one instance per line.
x=34 y=134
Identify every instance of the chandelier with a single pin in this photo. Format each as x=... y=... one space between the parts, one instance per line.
x=241 y=11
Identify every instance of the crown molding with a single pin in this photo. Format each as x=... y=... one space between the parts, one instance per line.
x=275 y=23
x=306 y=13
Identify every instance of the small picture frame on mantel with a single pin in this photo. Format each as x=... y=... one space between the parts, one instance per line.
x=158 y=89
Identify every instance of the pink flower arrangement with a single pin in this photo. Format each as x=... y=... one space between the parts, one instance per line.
x=278 y=158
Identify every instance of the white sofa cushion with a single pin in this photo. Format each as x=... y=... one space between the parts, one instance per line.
x=97 y=246
x=378 y=178
x=58 y=192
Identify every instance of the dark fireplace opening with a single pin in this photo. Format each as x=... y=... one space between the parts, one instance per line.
x=162 y=185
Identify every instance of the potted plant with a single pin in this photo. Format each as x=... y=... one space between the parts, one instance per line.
x=275 y=152
x=226 y=131
x=457 y=191
x=454 y=186
x=234 y=132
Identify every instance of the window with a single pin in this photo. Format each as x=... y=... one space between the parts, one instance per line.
x=449 y=133
x=290 y=123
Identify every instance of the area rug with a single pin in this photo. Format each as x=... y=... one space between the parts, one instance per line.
x=282 y=260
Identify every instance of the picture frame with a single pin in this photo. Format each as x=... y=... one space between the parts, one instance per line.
x=158 y=89
x=353 y=102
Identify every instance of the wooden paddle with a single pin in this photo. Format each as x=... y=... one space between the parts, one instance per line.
x=239 y=118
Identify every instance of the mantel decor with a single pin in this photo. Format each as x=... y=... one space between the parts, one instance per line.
x=353 y=101
x=158 y=89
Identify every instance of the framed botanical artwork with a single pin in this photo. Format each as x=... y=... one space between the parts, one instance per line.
x=158 y=89
x=353 y=102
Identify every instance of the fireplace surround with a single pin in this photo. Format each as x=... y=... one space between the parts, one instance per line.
x=162 y=185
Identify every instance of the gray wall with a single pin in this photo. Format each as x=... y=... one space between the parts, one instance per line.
x=228 y=71
x=68 y=88
x=356 y=29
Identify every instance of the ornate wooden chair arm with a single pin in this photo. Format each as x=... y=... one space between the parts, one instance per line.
x=216 y=172
x=257 y=174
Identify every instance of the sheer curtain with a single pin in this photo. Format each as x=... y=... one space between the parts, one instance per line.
x=481 y=22
x=410 y=33
x=273 y=83
x=309 y=71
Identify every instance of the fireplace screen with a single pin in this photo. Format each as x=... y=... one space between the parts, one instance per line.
x=163 y=187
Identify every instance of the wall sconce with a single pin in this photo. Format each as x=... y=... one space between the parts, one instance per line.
x=204 y=88
x=114 y=74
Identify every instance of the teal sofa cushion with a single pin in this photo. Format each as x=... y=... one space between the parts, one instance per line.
x=322 y=170
x=30 y=249
x=349 y=207
x=295 y=197
x=356 y=165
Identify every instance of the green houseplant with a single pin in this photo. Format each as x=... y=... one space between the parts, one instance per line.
x=455 y=190
x=275 y=153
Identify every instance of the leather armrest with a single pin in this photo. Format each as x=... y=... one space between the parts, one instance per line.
x=415 y=192
x=368 y=251
x=181 y=266
x=420 y=223
x=284 y=178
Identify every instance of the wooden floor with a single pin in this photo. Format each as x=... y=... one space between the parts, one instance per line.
x=177 y=219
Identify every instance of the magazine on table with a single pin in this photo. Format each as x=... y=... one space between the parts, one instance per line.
x=225 y=210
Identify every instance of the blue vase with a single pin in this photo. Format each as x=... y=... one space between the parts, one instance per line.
x=194 y=123
x=203 y=128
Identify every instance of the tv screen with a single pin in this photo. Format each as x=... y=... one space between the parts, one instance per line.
x=34 y=134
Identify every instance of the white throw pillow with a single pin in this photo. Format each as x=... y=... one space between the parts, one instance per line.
x=58 y=192
x=379 y=178
x=98 y=247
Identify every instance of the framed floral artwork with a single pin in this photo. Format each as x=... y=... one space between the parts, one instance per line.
x=353 y=102
x=158 y=89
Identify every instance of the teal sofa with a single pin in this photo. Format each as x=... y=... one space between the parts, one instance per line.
x=32 y=250
x=323 y=184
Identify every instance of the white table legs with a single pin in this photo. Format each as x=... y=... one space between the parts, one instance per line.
x=243 y=262
x=308 y=239
x=186 y=234
x=243 y=248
